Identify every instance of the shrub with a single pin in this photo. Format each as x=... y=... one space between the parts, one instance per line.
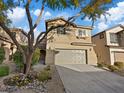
x=17 y=57
x=47 y=68
x=4 y=70
x=113 y=68
x=2 y=55
x=36 y=56
x=100 y=65
x=44 y=75
x=120 y=65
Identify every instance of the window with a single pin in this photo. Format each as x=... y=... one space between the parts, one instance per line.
x=113 y=38
x=61 y=30
x=101 y=36
x=81 y=33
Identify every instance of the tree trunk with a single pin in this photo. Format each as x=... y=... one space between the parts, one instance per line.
x=28 y=63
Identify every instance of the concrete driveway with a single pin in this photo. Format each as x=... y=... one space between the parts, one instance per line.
x=89 y=79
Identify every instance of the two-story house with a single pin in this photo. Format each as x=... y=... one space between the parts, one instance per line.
x=70 y=44
x=110 y=45
x=7 y=43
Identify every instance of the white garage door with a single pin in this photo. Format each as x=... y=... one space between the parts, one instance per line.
x=70 y=57
x=119 y=56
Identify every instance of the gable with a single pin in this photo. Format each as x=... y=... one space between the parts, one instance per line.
x=115 y=29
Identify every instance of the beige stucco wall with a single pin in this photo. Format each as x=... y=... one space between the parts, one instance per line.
x=50 y=56
x=59 y=41
x=102 y=52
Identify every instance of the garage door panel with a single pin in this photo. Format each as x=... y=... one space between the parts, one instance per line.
x=70 y=57
x=119 y=56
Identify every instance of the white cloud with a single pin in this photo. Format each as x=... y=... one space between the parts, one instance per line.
x=87 y=19
x=122 y=23
x=63 y=14
x=116 y=13
x=47 y=14
x=116 y=16
x=37 y=12
x=102 y=26
x=17 y=15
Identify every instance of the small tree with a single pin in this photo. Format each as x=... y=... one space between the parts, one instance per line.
x=90 y=8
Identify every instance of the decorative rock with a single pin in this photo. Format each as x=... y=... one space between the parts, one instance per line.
x=36 y=86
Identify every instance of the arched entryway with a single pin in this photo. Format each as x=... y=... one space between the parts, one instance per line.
x=42 y=56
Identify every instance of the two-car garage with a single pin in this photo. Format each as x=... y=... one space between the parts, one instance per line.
x=70 y=56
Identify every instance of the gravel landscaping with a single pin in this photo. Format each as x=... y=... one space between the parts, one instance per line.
x=53 y=85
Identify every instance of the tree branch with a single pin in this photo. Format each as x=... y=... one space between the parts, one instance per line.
x=40 y=15
x=28 y=14
x=31 y=32
x=45 y=34
x=39 y=36
x=24 y=33
x=5 y=39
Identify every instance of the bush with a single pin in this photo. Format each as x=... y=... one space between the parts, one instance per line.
x=44 y=75
x=47 y=68
x=100 y=65
x=17 y=57
x=4 y=70
x=120 y=65
x=113 y=68
x=2 y=55
x=36 y=56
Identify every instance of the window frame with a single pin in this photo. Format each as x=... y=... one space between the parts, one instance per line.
x=101 y=36
x=82 y=33
x=114 y=38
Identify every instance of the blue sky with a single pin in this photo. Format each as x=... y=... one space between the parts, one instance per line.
x=116 y=16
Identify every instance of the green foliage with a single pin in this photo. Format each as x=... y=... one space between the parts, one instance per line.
x=47 y=68
x=113 y=68
x=44 y=75
x=17 y=57
x=61 y=4
x=95 y=8
x=100 y=65
x=6 y=5
x=4 y=70
x=36 y=56
x=120 y=65
x=2 y=55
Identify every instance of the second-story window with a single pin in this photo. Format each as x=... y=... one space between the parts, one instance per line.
x=82 y=33
x=61 y=30
x=101 y=36
x=113 y=38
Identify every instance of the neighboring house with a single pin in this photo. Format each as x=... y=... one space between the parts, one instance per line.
x=7 y=43
x=110 y=45
x=69 y=45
